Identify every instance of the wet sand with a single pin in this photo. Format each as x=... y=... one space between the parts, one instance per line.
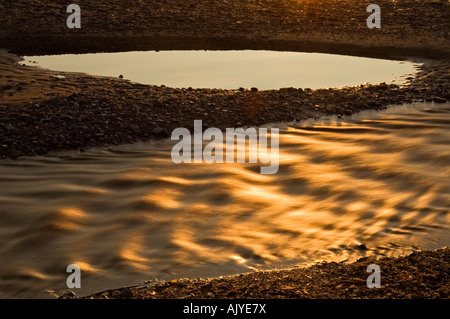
x=42 y=111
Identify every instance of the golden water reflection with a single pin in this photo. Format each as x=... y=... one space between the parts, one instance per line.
x=232 y=69
x=129 y=214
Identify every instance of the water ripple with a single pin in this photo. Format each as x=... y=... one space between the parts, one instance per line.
x=128 y=214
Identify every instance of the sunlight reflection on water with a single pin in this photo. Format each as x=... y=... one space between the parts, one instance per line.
x=232 y=69
x=128 y=214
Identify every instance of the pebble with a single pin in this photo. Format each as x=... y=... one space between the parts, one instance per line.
x=160 y=132
x=362 y=247
x=126 y=293
x=120 y=114
x=68 y=295
x=439 y=100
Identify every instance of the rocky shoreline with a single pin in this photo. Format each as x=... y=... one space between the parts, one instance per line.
x=43 y=111
x=85 y=111
x=409 y=27
x=420 y=275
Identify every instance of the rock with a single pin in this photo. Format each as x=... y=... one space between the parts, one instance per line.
x=362 y=247
x=347 y=112
x=254 y=89
x=439 y=100
x=9 y=127
x=104 y=295
x=158 y=104
x=68 y=295
x=160 y=132
x=121 y=76
x=66 y=118
x=135 y=128
x=207 y=286
x=126 y=293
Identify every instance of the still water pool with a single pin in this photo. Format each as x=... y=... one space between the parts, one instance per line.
x=233 y=69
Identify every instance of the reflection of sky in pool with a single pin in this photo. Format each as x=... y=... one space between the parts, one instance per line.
x=232 y=69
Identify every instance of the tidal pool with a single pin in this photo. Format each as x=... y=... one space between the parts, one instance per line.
x=232 y=69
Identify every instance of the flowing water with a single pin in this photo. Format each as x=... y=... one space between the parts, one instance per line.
x=128 y=214
x=232 y=69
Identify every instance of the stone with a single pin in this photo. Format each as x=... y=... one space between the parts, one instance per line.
x=14 y=153
x=160 y=132
x=68 y=294
x=126 y=293
x=362 y=247
x=439 y=100
x=135 y=128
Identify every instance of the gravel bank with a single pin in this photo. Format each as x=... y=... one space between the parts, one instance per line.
x=422 y=274
x=42 y=111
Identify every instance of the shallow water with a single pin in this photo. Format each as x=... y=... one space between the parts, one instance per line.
x=128 y=214
x=233 y=69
